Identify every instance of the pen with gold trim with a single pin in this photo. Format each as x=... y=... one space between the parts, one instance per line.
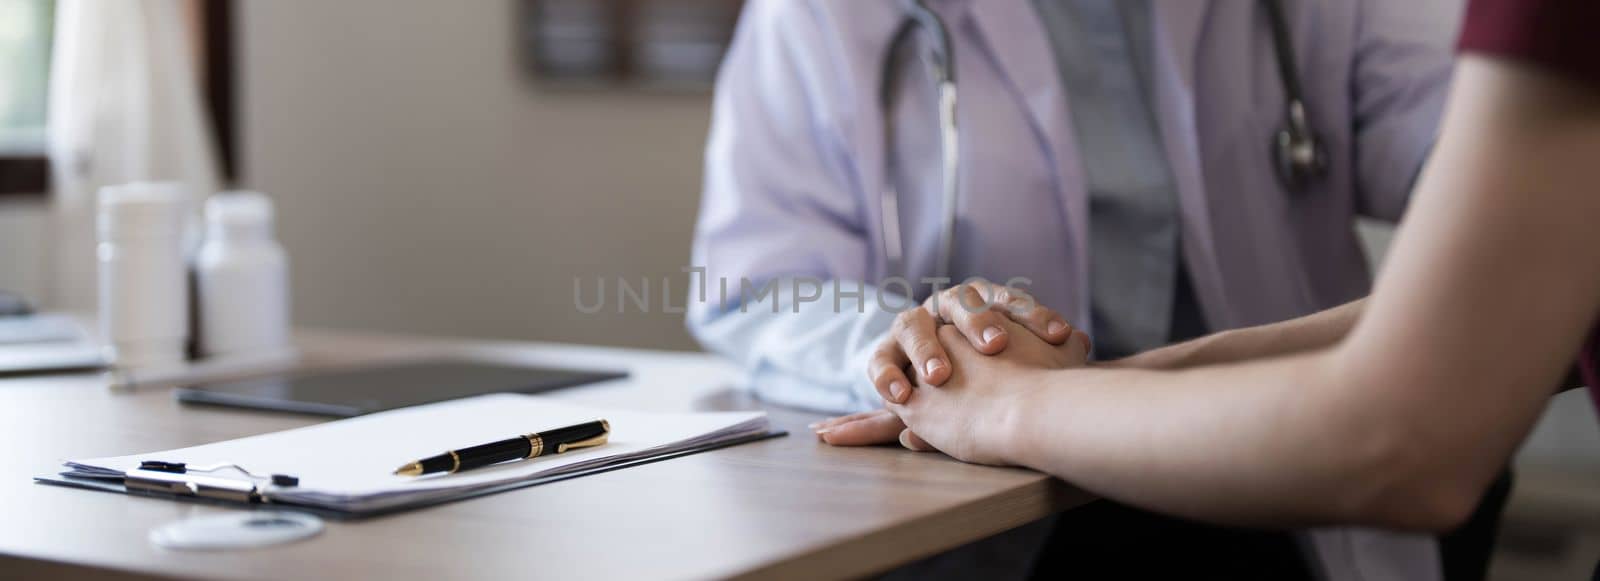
x=557 y=441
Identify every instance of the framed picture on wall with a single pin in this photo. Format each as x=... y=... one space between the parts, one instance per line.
x=649 y=43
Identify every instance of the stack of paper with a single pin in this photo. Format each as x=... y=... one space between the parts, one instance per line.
x=348 y=465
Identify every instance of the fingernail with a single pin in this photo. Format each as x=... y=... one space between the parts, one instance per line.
x=824 y=431
x=1055 y=327
x=814 y=425
x=933 y=367
x=991 y=333
x=898 y=390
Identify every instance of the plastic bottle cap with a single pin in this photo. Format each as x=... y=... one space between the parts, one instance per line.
x=239 y=207
x=142 y=210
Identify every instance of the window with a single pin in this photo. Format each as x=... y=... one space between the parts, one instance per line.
x=25 y=68
x=25 y=28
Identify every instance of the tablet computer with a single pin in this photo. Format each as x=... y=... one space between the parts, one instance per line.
x=353 y=392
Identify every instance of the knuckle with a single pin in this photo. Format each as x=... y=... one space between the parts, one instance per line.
x=904 y=317
x=908 y=321
x=1026 y=312
x=1019 y=297
x=889 y=354
x=985 y=318
x=1039 y=315
x=884 y=374
x=924 y=348
x=950 y=334
x=1023 y=304
x=951 y=295
x=877 y=368
x=880 y=366
x=895 y=328
x=914 y=341
x=1003 y=295
x=960 y=292
x=973 y=301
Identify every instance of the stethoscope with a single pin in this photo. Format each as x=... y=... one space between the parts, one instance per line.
x=1297 y=151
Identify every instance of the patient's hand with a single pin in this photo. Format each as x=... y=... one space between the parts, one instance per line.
x=965 y=418
x=1027 y=351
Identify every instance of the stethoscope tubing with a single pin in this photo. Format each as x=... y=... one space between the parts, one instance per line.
x=1297 y=142
x=922 y=18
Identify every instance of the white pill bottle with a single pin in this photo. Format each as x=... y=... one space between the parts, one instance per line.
x=143 y=274
x=242 y=278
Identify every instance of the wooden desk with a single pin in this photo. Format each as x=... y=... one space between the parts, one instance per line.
x=782 y=508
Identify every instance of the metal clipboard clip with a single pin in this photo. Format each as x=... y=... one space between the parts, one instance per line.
x=192 y=485
x=177 y=478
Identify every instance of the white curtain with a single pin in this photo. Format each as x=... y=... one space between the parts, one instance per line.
x=124 y=107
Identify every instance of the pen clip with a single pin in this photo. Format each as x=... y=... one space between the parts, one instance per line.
x=589 y=443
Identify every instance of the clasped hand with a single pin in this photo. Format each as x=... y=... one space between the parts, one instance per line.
x=955 y=366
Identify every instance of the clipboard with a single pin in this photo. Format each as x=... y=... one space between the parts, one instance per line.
x=329 y=469
x=236 y=493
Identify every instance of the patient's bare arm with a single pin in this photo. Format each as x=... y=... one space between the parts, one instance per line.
x=1306 y=333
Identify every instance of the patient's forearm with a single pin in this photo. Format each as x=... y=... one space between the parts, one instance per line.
x=1489 y=292
x=1313 y=331
x=1214 y=443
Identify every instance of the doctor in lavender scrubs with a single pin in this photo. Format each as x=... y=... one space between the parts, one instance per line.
x=1122 y=159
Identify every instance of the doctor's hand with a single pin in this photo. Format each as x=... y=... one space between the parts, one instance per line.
x=987 y=315
x=883 y=426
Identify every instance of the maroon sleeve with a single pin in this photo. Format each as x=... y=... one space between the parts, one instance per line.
x=1557 y=34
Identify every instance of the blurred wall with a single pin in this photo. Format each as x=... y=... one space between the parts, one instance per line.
x=425 y=185
x=23 y=229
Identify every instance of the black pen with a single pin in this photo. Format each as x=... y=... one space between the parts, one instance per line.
x=523 y=447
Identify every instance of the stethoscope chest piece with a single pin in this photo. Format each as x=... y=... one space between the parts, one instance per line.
x=1298 y=153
